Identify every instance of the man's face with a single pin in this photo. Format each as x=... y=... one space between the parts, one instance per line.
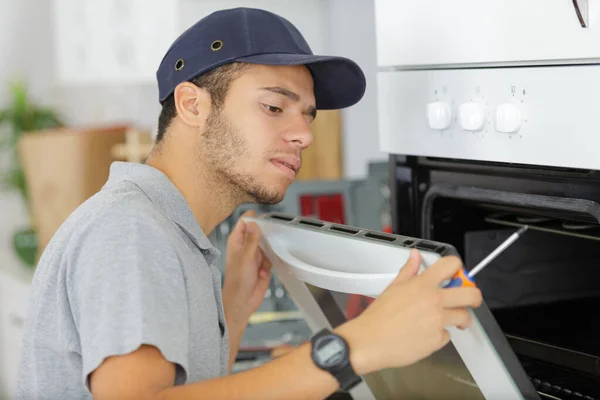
x=255 y=141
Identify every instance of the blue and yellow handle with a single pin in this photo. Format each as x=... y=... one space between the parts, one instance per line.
x=461 y=279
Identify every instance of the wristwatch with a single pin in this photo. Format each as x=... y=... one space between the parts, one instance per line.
x=330 y=352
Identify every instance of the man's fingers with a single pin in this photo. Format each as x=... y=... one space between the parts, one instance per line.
x=265 y=267
x=442 y=270
x=238 y=234
x=252 y=239
x=264 y=279
x=237 y=237
x=410 y=268
x=458 y=317
x=461 y=297
x=445 y=339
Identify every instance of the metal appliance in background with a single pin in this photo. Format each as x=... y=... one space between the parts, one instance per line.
x=488 y=110
x=358 y=202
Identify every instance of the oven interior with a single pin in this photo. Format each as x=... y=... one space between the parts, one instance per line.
x=544 y=290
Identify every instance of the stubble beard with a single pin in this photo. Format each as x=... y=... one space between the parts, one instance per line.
x=222 y=146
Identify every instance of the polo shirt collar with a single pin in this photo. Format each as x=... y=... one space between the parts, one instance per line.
x=165 y=195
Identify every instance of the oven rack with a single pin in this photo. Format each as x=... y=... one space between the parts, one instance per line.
x=549 y=384
x=574 y=229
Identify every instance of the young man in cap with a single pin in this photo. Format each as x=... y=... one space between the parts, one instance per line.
x=126 y=303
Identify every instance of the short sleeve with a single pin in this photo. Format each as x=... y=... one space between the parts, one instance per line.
x=126 y=288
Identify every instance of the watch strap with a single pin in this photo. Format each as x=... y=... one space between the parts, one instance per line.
x=347 y=378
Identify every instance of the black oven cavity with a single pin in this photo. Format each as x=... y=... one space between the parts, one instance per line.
x=544 y=291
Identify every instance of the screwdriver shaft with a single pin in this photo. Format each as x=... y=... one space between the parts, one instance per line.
x=484 y=263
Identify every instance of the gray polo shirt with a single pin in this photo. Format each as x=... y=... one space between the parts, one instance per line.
x=130 y=266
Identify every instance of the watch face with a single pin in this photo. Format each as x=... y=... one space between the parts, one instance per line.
x=329 y=351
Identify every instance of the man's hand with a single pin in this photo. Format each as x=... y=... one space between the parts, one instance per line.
x=411 y=316
x=247 y=271
x=247 y=277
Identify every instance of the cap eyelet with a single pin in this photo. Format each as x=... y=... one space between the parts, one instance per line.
x=179 y=64
x=216 y=45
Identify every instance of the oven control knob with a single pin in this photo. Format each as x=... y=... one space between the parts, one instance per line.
x=508 y=118
x=439 y=115
x=472 y=116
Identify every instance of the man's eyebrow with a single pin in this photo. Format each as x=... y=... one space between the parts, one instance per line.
x=284 y=92
x=311 y=110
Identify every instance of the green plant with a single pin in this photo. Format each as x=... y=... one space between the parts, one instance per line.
x=19 y=117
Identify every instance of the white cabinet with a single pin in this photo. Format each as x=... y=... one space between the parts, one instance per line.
x=442 y=32
x=112 y=41
x=14 y=294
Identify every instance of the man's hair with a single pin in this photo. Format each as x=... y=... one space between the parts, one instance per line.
x=216 y=82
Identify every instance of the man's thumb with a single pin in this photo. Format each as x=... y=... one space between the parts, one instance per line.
x=411 y=267
x=237 y=236
x=252 y=238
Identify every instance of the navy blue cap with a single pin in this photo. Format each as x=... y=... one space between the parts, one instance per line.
x=261 y=37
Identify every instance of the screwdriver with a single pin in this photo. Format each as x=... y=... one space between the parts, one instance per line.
x=461 y=278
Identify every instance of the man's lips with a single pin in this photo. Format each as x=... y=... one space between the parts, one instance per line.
x=290 y=163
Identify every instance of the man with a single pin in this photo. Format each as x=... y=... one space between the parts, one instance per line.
x=126 y=303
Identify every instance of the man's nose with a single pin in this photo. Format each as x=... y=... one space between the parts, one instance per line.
x=299 y=135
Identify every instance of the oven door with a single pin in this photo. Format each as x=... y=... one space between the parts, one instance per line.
x=321 y=263
x=544 y=290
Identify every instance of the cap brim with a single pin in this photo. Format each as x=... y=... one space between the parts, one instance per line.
x=338 y=82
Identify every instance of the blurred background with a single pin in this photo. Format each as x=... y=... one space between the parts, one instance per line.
x=78 y=91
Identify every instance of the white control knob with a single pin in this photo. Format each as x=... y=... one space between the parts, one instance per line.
x=472 y=116
x=508 y=118
x=439 y=115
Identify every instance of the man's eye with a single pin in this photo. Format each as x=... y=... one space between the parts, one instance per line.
x=272 y=109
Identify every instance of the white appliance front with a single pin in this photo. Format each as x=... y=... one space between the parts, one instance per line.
x=545 y=116
x=442 y=32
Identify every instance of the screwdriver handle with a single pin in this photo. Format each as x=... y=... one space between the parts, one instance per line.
x=460 y=279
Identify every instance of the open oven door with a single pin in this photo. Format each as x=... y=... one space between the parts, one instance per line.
x=320 y=262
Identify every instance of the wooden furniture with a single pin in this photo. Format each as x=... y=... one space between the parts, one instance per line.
x=136 y=147
x=323 y=159
x=63 y=168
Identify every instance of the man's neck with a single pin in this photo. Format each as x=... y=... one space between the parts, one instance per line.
x=210 y=200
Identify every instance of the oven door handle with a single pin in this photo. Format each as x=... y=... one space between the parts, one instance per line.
x=367 y=284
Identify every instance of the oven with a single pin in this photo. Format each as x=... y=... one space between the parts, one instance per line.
x=544 y=290
x=489 y=111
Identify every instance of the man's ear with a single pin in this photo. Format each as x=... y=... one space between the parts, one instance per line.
x=192 y=103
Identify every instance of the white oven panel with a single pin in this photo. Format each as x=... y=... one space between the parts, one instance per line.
x=442 y=32
x=546 y=116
